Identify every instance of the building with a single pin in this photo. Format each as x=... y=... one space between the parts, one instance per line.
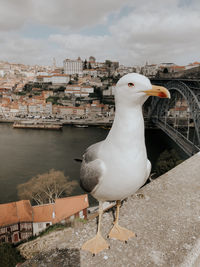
x=91 y=72
x=60 y=78
x=79 y=90
x=149 y=70
x=92 y=59
x=69 y=110
x=192 y=65
x=87 y=89
x=92 y=62
x=54 y=78
x=15 y=221
x=19 y=220
x=72 y=67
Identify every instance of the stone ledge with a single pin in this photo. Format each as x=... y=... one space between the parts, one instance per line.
x=165 y=215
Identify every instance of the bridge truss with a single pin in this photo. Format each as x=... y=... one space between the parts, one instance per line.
x=179 y=116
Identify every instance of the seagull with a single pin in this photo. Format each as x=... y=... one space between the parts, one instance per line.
x=117 y=167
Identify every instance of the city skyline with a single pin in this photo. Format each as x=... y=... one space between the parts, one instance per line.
x=131 y=32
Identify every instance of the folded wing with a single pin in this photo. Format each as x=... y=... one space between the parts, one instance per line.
x=92 y=168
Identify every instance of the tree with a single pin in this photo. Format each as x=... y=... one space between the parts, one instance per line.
x=85 y=65
x=9 y=255
x=47 y=187
x=167 y=160
x=53 y=99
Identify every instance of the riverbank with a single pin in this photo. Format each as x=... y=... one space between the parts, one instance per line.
x=74 y=122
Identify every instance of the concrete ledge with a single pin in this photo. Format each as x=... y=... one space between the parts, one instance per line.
x=165 y=215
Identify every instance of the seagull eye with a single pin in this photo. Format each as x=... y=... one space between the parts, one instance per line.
x=130 y=84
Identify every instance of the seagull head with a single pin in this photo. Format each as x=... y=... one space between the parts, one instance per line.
x=134 y=88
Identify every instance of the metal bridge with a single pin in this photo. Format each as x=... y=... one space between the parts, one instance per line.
x=179 y=117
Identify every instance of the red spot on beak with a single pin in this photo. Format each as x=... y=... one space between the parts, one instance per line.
x=162 y=95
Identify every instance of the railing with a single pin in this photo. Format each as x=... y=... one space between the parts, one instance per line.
x=188 y=147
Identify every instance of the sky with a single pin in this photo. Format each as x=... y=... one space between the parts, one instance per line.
x=132 y=32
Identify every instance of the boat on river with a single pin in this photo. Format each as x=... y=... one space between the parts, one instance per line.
x=37 y=125
x=81 y=125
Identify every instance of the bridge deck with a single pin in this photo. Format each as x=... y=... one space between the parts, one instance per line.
x=181 y=140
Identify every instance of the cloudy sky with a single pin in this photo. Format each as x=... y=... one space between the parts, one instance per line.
x=132 y=31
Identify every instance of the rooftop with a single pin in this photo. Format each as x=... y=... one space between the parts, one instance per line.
x=22 y=211
x=14 y=212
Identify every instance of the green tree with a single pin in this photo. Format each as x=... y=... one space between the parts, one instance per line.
x=47 y=187
x=9 y=255
x=167 y=160
x=85 y=64
x=53 y=99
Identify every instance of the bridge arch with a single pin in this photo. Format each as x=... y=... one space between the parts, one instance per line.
x=159 y=107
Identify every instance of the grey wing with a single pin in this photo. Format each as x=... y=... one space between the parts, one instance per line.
x=92 y=168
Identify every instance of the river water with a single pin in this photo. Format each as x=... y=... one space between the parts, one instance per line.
x=24 y=153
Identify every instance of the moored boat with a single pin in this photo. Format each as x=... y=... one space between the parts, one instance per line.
x=44 y=126
x=81 y=125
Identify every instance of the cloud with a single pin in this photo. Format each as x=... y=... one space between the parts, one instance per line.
x=167 y=35
x=76 y=45
x=24 y=50
x=13 y=14
x=70 y=14
x=74 y=14
x=136 y=31
x=146 y=34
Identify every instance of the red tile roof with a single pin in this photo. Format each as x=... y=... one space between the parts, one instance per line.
x=62 y=208
x=11 y=213
x=66 y=207
x=22 y=211
x=43 y=213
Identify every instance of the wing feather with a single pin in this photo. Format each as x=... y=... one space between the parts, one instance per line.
x=92 y=168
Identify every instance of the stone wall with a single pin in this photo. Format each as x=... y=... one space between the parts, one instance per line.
x=164 y=214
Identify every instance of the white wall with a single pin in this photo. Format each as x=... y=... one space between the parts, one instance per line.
x=39 y=227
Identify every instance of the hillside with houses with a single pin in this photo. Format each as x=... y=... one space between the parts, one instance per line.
x=78 y=89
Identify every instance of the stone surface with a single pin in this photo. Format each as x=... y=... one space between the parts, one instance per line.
x=164 y=214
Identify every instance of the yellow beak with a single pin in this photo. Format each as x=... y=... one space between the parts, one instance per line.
x=159 y=91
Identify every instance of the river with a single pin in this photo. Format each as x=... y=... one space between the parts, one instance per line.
x=26 y=153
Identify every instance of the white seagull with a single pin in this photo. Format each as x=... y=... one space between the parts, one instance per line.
x=117 y=167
